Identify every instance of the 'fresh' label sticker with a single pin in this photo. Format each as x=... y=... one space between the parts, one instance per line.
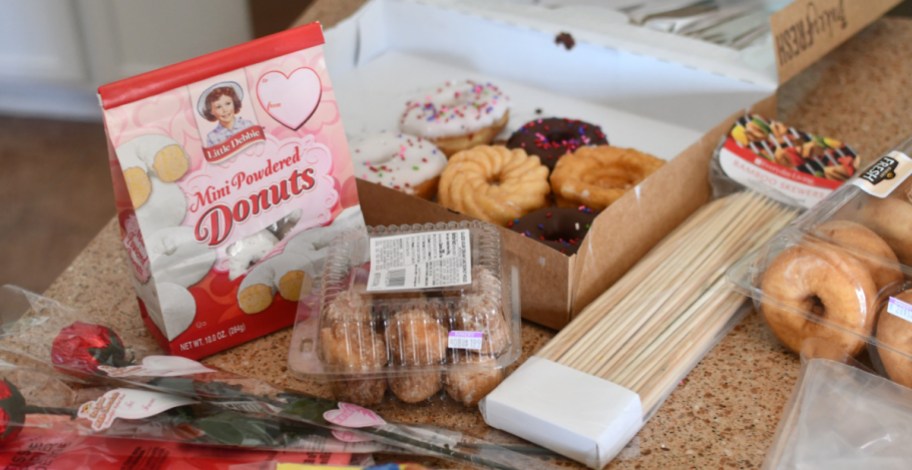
x=465 y=340
x=885 y=175
x=420 y=261
x=900 y=309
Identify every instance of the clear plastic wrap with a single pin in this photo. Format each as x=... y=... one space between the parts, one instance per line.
x=45 y=405
x=870 y=429
x=839 y=273
x=51 y=335
x=419 y=322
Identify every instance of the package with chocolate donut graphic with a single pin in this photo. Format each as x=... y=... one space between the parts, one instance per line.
x=231 y=176
x=835 y=282
x=416 y=310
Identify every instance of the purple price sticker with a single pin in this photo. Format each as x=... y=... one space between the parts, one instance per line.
x=465 y=340
x=900 y=309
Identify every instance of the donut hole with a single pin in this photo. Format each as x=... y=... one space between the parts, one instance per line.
x=560 y=138
x=495 y=179
x=815 y=306
x=610 y=178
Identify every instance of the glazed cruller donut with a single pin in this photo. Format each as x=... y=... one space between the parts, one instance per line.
x=416 y=344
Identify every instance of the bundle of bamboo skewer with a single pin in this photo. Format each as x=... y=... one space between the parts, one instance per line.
x=655 y=323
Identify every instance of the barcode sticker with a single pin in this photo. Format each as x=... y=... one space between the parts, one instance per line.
x=420 y=261
x=465 y=340
x=900 y=309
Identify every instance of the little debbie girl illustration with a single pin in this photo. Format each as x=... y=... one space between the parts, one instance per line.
x=221 y=103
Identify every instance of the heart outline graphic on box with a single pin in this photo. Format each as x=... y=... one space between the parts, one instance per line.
x=290 y=99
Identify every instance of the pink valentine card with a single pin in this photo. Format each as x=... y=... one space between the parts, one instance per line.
x=232 y=177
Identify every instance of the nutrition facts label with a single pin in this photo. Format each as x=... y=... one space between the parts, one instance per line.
x=420 y=261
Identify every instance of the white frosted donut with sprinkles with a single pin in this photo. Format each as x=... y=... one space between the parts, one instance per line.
x=399 y=161
x=457 y=115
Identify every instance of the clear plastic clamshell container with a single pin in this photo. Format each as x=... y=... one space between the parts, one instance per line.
x=438 y=312
x=836 y=282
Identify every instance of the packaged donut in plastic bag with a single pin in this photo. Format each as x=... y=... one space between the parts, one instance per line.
x=414 y=309
x=839 y=273
x=231 y=176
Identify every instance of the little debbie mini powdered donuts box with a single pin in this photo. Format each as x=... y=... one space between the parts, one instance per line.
x=231 y=177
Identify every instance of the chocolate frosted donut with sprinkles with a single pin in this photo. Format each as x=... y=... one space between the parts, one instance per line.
x=457 y=115
x=399 y=161
x=561 y=228
x=552 y=138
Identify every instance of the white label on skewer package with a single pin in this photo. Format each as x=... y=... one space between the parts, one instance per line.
x=465 y=340
x=885 y=175
x=420 y=261
x=900 y=309
x=575 y=414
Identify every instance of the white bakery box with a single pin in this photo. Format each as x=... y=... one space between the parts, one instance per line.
x=670 y=95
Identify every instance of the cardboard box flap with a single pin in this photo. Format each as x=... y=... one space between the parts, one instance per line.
x=440 y=41
x=639 y=220
x=645 y=215
x=607 y=27
x=801 y=32
x=806 y=30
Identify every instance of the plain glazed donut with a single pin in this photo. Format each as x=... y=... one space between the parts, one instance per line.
x=867 y=247
x=597 y=176
x=891 y=218
x=896 y=333
x=551 y=138
x=457 y=115
x=494 y=184
x=823 y=281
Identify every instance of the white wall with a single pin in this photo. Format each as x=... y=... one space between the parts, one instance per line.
x=55 y=53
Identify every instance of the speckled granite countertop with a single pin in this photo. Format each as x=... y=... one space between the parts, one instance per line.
x=725 y=413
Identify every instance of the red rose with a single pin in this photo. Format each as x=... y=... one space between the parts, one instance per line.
x=12 y=411
x=81 y=347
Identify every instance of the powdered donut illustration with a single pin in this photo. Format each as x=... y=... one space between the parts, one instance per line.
x=177 y=257
x=292 y=274
x=319 y=238
x=166 y=207
x=178 y=308
x=149 y=296
x=282 y=227
x=243 y=253
x=147 y=156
